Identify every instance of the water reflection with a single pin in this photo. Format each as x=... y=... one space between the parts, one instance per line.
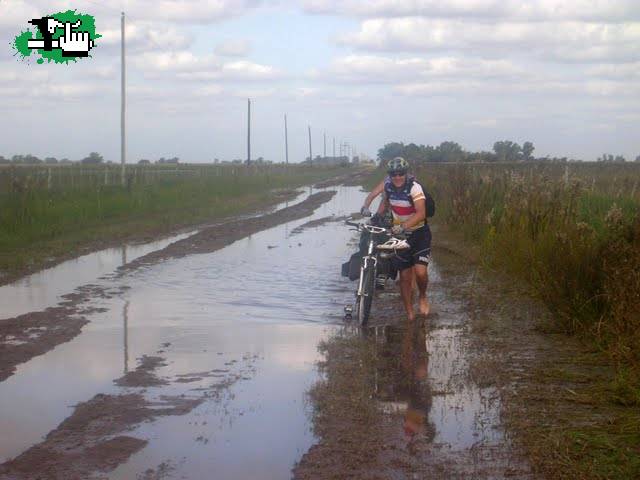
x=401 y=376
x=125 y=318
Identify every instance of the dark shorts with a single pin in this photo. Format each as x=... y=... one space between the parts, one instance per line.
x=419 y=253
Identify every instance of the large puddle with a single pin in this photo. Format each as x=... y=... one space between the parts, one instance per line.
x=254 y=310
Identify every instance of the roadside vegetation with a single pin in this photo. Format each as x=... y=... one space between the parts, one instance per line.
x=43 y=219
x=571 y=232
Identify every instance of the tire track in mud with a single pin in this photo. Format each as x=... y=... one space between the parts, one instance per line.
x=215 y=238
x=35 y=333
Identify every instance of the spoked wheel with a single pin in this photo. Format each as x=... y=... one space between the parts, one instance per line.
x=366 y=299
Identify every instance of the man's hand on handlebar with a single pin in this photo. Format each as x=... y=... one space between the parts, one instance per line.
x=365 y=212
x=398 y=229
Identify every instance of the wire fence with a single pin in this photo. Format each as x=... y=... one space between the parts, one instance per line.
x=18 y=178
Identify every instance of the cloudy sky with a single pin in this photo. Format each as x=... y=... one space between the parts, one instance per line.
x=564 y=74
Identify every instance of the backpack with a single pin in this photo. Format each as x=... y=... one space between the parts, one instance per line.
x=430 y=204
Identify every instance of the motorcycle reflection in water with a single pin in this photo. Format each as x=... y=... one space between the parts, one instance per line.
x=401 y=383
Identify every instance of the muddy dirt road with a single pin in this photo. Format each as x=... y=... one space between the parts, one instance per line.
x=205 y=366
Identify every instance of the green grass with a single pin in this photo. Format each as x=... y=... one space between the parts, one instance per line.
x=36 y=224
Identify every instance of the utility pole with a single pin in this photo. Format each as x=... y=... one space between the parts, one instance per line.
x=324 y=135
x=248 y=131
x=122 y=102
x=310 y=153
x=334 y=147
x=286 y=140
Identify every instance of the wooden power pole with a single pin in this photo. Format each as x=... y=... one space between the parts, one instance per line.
x=123 y=150
x=248 y=131
x=310 y=152
x=286 y=141
x=324 y=152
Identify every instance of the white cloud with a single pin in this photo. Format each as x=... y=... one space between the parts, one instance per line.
x=536 y=87
x=562 y=41
x=534 y=10
x=189 y=66
x=188 y=11
x=144 y=36
x=615 y=71
x=233 y=48
x=365 y=69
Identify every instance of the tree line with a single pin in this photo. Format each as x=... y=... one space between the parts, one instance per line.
x=449 y=151
x=94 y=158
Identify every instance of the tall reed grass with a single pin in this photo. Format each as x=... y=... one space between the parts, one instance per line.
x=572 y=232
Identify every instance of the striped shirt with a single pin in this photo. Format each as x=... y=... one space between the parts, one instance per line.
x=402 y=201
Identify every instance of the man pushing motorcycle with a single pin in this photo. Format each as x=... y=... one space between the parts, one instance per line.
x=407 y=200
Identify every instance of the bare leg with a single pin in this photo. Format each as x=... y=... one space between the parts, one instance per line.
x=422 y=279
x=406 y=290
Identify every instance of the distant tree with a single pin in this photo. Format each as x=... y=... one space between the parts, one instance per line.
x=638 y=158
x=451 y=152
x=31 y=159
x=391 y=150
x=93 y=158
x=527 y=150
x=4 y=161
x=507 y=151
x=144 y=161
x=17 y=159
x=50 y=160
x=65 y=161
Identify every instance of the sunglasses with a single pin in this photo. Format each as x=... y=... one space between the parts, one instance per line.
x=397 y=174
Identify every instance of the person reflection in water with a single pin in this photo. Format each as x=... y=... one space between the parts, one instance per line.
x=402 y=379
x=415 y=366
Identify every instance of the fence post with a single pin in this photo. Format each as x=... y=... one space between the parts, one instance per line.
x=49 y=178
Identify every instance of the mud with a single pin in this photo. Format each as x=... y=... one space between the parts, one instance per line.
x=144 y=375
x=317 y=223
x=350 y=179
x=215 y=238
x=35 y=333
x=421 y=400
x=91 y=440
x=94 y=439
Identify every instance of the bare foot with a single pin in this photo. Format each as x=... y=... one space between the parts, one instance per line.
x=423 y=306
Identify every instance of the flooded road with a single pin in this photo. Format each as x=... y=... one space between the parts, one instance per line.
x=253 y=310
x=237 y=331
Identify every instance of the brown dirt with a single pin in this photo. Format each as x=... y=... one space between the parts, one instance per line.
x=35 y=333
x=93 y=440
x=215 y=238
x=316 y=223
x=144 y=375
x=354 y=178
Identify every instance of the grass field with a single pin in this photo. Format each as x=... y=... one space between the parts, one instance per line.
x=571 y=233
x=38 y=222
